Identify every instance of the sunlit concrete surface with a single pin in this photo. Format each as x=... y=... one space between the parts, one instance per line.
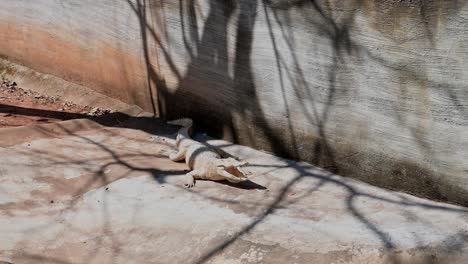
x=99 y=194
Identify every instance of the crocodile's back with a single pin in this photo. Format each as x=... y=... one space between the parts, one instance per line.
x=199 y=156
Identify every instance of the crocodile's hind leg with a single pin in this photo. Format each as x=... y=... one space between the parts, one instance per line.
x=190 y=178
x=178 y=156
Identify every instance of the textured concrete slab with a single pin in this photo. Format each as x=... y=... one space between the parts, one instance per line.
x=109 y=195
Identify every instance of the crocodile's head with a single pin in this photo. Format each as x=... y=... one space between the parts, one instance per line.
x=233 y=167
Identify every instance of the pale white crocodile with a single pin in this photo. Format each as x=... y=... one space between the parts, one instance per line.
x=204 y=162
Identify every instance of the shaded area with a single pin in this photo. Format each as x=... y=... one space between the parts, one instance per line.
x=225 y=101
x=53 y=115
x=208 y=68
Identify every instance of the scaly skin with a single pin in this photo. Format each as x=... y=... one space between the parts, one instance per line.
x=204 y=162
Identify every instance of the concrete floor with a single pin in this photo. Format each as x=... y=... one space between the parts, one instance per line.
x=79 y=192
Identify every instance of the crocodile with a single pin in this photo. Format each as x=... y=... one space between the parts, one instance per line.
x=204 y=162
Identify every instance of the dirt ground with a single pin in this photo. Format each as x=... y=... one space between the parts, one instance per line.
x=20 y=107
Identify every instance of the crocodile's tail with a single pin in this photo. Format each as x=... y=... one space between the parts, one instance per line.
x=186 y=130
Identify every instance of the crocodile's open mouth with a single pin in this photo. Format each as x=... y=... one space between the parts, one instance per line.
x=236 y=171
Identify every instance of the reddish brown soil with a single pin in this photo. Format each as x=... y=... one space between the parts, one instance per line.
x=20 y=107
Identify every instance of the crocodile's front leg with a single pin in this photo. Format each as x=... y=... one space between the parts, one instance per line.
x=178 y=156
x=190 y=178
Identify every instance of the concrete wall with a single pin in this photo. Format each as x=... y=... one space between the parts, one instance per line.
x=93 y=43
x=376 y=90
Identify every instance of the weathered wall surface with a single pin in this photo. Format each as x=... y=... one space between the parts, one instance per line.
x=93 y=43
x=376 y=90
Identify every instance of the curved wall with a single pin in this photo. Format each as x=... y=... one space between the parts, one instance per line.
x=376 y=90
